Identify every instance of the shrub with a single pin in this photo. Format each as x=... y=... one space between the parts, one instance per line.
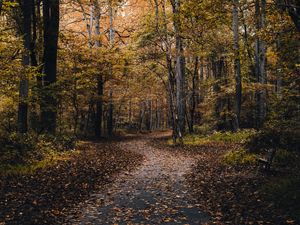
x=239 y=157
x=229 y=137
x=15 y=147
x=274 y=138
x=239 y=137
x=27 y=148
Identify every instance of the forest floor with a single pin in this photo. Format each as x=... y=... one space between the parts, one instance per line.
x=47 y=195
x=141 y=179
x=155 y=193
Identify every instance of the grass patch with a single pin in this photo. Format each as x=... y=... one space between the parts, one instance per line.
x=285 y=192
x=239 y=157
x=49 y=160
x=239 y=137
x=192 y=139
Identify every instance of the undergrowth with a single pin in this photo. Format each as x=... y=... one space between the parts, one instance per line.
x=239 y=137
x=239 y=157
x=27 y=168
x=25 y=153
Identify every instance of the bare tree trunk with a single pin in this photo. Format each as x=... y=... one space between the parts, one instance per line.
x=90 y=24
x=156 y=14
x=110 y=126
x=99 y=106
x=193 y=97
x=111 y=28
x=99 y=102
x=157 y=115
x=150 y=114
x=237 y=64
x=130 y=112
x=260 y=62
x=180 y=69
x=142 y=115
x=171 y=78
x=23 y=91
x=111 y=40
x=51 y=29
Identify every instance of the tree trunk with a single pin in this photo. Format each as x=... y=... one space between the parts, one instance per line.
x=180 y=69
x=26 y=8
x=111 y=41
x=99 y=103
x=260 y=62
x=51 y=29
x=237 y=63
x=171 y=78
x=193 y=98
x=110 y=126
x=130 y=112
x=99 y=107
x=142 y=114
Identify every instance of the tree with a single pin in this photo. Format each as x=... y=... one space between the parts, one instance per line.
x=99 y=103
x=49 y=100
x=180 y=68
x=293 y=9
x=237 y=63
x=260 y=61
x=26 y=8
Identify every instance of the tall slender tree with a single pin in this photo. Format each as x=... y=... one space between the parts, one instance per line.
x=110 y=120
x=99 y=103
x=237 y=63
x=26 y=9
x=260 y=61
x=180 y=68
x=51 y=30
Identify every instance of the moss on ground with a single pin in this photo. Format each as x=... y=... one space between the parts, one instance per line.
x=50 y=159
x=239 y=157
x=239 y=137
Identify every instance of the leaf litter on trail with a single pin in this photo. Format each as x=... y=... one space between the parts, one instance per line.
x=155 y=193
x=229 y=193
x=46 y=196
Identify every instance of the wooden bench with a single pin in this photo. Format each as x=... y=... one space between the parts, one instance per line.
x=266 y=162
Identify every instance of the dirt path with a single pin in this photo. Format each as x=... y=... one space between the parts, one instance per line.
x=155 y=193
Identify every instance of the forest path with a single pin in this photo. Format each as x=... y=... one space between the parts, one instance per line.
x=154 y=193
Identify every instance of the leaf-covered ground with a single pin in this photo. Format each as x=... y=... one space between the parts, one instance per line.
x=155 y=193
x=46 y=196
x=236 y=194
x=143 y=180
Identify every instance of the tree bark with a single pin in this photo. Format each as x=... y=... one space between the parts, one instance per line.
x=99 y=103
x=193 y=98
x=110 y=126
x=180 y=69
x=26 y=8
x=51 y=30
x=111 y=41
x=260 y=62
x=237 y=63
x=171 y=77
